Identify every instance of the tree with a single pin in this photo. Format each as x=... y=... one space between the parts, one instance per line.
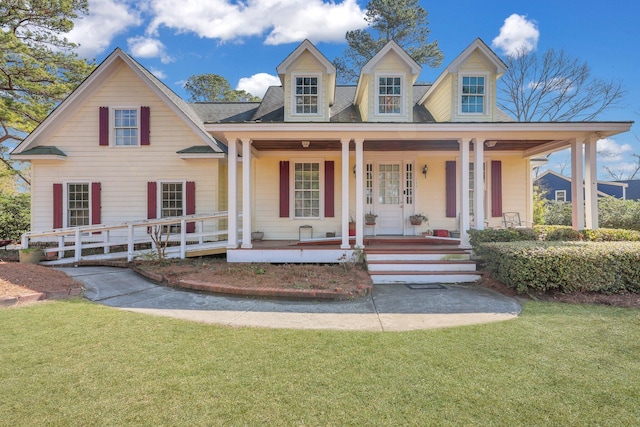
x=403 y=21
x=38 y=67
x=14 y=215
x=212 y=88
x=554 y=87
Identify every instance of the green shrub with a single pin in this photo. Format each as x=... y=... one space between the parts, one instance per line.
x=610 y=267
x=611 y=235
x=617 y=213
x=15 y=215
x=478 y=237
x=558 y=213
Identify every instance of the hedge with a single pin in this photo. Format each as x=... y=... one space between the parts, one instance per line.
x=610 y=267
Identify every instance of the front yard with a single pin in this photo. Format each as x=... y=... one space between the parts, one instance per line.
x=76 y=363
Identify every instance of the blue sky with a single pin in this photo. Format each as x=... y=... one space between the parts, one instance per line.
x=245 y=41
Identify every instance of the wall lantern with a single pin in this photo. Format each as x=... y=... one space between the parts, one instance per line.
x=425 y=169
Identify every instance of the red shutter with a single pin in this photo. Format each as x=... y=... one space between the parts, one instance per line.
x=496 y=188
x=329 y=191
x=284 y=189
x=145 y=128
x=104 y=126
x=57 y=206
x=95 y=203
x=450 y=188
x=191 y=204
x=152 y=200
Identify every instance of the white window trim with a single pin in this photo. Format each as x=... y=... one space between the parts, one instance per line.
x=159 y=195
x=65 y=201
x=112 y=125
x=558 y=192
x=376 y=100
x=292 y=189
x=486 y=106
x=317 y=75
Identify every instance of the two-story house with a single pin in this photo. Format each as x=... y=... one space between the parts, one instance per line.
x=123 y=147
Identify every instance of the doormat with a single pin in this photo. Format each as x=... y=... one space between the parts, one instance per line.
x=417 y=286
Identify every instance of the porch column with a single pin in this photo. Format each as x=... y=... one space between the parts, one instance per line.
x=232 y=196
x=591 y=184
x=345 y=194
x=246 y=193
x=478 y=184
x=577 y=186
x=464 y=192
x=359 y=193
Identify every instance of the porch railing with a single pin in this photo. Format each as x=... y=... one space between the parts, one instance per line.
x=130 y=234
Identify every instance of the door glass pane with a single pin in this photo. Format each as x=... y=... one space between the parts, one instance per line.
x=390 y=185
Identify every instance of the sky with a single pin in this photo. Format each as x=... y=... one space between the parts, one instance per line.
x=245 y=41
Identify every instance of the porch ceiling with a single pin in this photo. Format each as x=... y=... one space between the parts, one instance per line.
x=394 y=145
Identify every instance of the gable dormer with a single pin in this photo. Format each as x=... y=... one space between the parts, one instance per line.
x=309 y=81
x=466 y=90
x=385 y=87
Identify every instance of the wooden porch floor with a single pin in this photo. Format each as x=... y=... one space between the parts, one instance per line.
x=370 y=243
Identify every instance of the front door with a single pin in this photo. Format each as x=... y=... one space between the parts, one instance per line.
x=389 y=197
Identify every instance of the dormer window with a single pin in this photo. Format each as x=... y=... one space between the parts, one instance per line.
x=473 y=94
x=389 y=95
x=306 y=94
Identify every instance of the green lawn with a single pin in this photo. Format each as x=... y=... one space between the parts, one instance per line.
x=77 y=363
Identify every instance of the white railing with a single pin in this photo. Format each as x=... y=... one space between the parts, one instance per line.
x=130 y=234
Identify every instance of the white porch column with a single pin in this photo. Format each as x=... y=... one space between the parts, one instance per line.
x=464 y=192
x=246 y=193
x=345 y=194
x=591 y=184
x=577 y=186
x=232 y=196
x=478 y=184
x=359 y=193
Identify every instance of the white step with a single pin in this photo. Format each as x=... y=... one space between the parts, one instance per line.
x=422 y=277
x=400 y=266
x=417 y=257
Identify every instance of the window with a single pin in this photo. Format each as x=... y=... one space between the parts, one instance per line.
x=307 y=190
x=78 y=212
x=172 y=203
x=473 y=94
x=306 y=98
x=389 y=95
x=125 y=126
x=561 y=195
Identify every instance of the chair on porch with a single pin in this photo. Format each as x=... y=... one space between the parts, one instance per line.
x=512 y=220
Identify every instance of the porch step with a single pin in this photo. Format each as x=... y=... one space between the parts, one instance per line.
x=421 y=265
x=394 y=277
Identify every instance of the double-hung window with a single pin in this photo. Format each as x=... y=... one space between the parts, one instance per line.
x=78 y=205
x=172 y=202
x=561 y=195
x=306 y=189
x=306 y=94
x=473 y=95
x=125 y=124
x=389 y=95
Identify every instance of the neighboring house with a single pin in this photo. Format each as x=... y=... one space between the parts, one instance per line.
x=558 y=187
x=124 y=147
x=633 y=188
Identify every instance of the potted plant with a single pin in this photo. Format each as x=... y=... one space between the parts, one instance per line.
x=370 y=218
x=31 y=255
x=352 y=226
x=257 y=235
x=418 y=219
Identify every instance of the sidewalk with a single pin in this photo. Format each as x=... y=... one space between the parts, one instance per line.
x=388 y=308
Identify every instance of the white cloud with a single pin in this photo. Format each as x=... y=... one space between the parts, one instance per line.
x=258 y=84
x=283 y=21
x=158 y=73
x=106 y=19
x=611 y=151
x=146 y=47
x=517 y=35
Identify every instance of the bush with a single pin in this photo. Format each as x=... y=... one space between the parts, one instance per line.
x=610 y=267
x=611 y=235
x=617 y=213
x=558 y=213
x=478 y=237
x=15 y=215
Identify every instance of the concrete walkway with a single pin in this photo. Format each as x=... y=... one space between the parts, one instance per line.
x=388 y=308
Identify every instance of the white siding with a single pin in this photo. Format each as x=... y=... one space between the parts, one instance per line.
x=122 y=171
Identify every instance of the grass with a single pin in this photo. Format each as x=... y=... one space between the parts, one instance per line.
x=77 y=363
